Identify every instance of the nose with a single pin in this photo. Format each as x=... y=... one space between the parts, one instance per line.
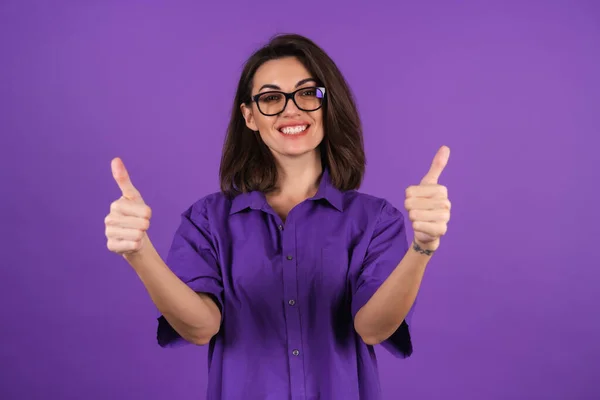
x=290 y=109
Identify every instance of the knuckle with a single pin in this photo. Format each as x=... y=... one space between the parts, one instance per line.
x=127 y=246
x=115 y=206
x=412 y=215
x=110 y=245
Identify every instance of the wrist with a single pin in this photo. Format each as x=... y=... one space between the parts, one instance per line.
x=142 y=255
x=425 y=248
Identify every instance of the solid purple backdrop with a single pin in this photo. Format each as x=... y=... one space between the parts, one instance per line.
x=508 y=305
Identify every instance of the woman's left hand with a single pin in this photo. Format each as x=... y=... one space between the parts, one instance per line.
x=428 y=205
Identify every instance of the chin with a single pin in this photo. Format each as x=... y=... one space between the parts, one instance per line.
x=296 y=153
x=296 y=144
x=298 y=150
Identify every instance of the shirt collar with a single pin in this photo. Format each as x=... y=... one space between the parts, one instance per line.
x=254 y=200
x=329 y=192
x=257 y=200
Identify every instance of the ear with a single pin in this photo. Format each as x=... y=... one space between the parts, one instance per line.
x=249 y=117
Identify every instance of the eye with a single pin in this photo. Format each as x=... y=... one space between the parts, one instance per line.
x=270 y=97
x=308 y=92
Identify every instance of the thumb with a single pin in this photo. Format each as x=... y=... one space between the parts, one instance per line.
x=437 y=166
x=122 y=178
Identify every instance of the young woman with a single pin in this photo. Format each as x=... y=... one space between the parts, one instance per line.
x=289 y=274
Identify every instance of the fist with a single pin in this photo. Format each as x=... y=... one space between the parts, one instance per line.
x=428 y=205
x=129 y=217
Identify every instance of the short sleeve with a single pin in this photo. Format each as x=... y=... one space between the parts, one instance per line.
x=192 y=257
x=385 y=251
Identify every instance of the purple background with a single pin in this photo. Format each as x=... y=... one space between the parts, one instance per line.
x=508 y=308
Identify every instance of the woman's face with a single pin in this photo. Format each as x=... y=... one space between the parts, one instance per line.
x=293 y=132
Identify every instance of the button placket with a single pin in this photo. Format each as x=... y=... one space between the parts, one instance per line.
x=289 y=259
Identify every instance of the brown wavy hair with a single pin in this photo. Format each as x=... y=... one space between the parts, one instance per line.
x=247 y=163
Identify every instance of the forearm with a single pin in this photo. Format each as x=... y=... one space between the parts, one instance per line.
x=379 y=318
x=194 y=316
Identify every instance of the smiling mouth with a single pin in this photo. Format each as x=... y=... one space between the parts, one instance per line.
x=294 y=130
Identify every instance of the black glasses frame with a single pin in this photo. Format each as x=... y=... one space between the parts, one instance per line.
x=288 y=96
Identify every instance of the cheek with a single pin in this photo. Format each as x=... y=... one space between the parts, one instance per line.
x=264 y=124
x=265 y=129
x=318 y=117
x=319 y=122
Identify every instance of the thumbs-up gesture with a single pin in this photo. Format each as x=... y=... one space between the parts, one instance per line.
x=428 y=205
x=129 y=216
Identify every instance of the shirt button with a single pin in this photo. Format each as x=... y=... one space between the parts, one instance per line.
x=295 y=352
x=280 y=227
x=291 y=302
x=290 y=257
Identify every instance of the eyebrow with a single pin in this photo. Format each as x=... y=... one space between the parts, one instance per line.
x=275 y=87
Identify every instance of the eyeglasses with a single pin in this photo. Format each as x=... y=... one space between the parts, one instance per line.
x=274 y=102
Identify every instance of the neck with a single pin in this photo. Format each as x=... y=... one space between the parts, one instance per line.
x=299 y=177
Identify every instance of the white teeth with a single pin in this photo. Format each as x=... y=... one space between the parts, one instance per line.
x=293 y=130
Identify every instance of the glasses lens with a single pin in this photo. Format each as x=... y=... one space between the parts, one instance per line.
x=271 y=103
x=307 y=99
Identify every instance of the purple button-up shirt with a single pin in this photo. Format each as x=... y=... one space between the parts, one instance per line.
x=288 y=292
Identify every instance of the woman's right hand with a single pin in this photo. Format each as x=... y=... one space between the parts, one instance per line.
x=129 y=217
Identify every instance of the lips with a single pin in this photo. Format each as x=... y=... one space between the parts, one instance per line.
x=294 y=129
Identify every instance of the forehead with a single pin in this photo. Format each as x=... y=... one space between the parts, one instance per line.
x=283 y=72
